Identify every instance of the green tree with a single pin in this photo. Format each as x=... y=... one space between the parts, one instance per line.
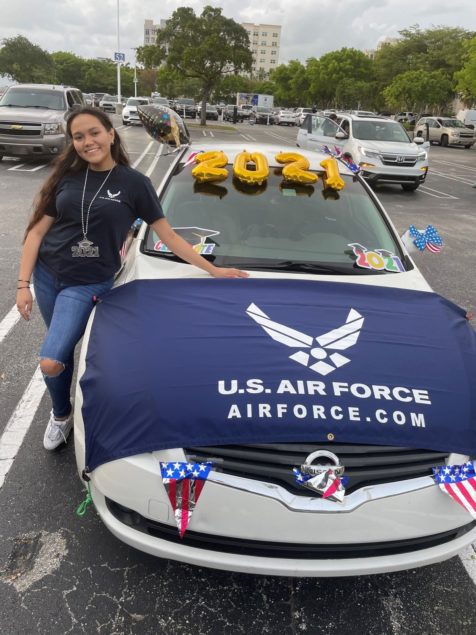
x=466 y=77
x=70 y=69
x=419 y=90
x=150 y=55
x=338 y=67
x=291 y=84
x=26 y=62
x=227 y=88
x=205 y=47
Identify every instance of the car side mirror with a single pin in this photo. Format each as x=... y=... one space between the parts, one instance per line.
x=418 y=139
x=341 y=135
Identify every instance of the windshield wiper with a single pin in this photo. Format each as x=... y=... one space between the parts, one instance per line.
x=300 y=267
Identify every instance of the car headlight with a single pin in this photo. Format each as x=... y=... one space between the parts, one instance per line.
x=422 y=156
x=369 y=153
x=53 y=128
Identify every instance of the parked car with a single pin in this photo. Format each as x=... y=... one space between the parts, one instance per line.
x=446 y=131
x=97 y=98
x=185 y=107
x=163 y=101
x=263 y=115
x=467 y=116
x=211 y=112
x=403 y=117
x=301 y=114
x=130 y=116
x=380 y=146
x=286 y=118
x=167 y=357
x=33 y=119
x=232 y=110
x=108 y=103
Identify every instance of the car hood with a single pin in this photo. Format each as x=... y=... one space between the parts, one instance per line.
x=30 y=115
x=202 y=362
x=391 y=147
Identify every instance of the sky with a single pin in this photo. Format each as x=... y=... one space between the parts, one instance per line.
x=310 y=28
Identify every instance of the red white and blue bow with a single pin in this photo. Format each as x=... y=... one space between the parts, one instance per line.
x=459 y=482
x=327 y=484
x=184 y=483
x=429 y=239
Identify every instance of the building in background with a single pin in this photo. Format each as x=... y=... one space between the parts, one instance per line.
x=265 y=42
x=150 y=31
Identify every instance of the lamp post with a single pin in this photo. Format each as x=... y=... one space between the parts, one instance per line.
x=136 y=81
x=118 y=63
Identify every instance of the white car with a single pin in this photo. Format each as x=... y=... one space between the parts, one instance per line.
x=380 y=146
x=130 y=116
x=286 y=117
x=177 y=367
x=301 y=114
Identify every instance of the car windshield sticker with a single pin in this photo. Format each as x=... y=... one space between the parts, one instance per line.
x=288 y=192
x=202 y=362
x=195 y=236
x=378 y=259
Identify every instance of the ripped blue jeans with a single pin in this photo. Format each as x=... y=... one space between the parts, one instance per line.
x=65 y=310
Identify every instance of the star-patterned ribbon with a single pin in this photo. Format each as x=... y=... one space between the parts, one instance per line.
x=184 y=483
x=459 y=482
x=428 y=238
x=327 y=484
x=337 y=154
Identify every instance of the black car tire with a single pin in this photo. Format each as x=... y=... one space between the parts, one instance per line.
x=468 y=147
x=410 y=187
x=444 y=140
x=1 y=157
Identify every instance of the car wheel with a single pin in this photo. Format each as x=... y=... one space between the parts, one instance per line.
x=410 y=187
x=444 y=140
x=469 y=146
x=1 y=157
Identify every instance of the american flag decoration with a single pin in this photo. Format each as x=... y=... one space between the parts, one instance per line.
x=337 y=154
x=459 y=482
x=428 y=238
x=327 y=484
x=184 y=483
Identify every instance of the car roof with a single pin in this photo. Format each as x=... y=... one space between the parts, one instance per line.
x=355 y=117
x=231 y=149
x=47 y=86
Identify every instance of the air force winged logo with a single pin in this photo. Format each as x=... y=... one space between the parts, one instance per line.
x=111 y=195
x=338 y=339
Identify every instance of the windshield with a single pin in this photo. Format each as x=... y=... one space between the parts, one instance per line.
x=187 y=102
x=137 y=102
x=379 y=131
x=275 y=226
x=34 y=98
x=451 y=123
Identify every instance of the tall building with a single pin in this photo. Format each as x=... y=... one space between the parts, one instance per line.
x=150 y=31
x=265 y=41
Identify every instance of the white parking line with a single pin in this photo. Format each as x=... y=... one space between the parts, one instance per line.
x=20 y=168
x=424 y=189
x=277 y=136
x=453 y=177
x=247 y=137
x=137 y=161
x=155 y=161
x=19 y=423
x=455 y=164
x=11 y=319
x=211 y=133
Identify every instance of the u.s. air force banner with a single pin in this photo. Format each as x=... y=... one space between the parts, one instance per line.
x=173 y=363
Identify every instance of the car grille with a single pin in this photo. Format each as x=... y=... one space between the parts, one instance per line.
x=266 y=549
x=364 y=464
x=398 y=159
x=465 y=135
x=24 y=129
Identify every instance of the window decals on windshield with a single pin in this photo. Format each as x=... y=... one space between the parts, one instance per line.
x=195 y=236
x=378 y=259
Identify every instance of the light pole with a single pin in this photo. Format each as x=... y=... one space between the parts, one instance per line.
x=118 y=63
x=135 y=72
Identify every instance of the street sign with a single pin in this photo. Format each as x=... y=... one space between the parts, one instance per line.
x=119 y=57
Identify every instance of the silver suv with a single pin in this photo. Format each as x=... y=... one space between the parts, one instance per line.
x=380 y=146
x=445 y=131
x=33 y=119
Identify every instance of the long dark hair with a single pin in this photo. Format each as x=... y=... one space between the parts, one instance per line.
x=69 y=162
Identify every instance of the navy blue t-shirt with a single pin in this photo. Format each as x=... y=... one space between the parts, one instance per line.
x=126 y=196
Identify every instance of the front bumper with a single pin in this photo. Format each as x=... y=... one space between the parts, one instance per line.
x=394 y=175
x=50 y=146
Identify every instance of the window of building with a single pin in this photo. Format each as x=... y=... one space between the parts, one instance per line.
x=263 y=52
x=255 y=33
x=274 y=44
x=274 y=52
x=275 y=34
x=147 y=31
x=262 y=61
x=264 y=33
x=273 y=61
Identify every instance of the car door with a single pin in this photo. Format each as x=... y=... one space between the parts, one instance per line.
x=318 y=131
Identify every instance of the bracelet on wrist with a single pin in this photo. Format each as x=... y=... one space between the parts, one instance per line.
x=23 y=287
x=19 y=280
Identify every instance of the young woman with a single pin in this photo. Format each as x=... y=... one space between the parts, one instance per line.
x=80 y=220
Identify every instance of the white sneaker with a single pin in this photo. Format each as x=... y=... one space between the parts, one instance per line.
x=57 y=431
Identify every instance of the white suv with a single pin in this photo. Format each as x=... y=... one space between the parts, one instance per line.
x=380 y=146
x=130 y=116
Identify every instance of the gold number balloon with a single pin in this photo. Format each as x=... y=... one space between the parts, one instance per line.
x=251 y=177
x=333 y=178
x=210 y=166
x=296 y=168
